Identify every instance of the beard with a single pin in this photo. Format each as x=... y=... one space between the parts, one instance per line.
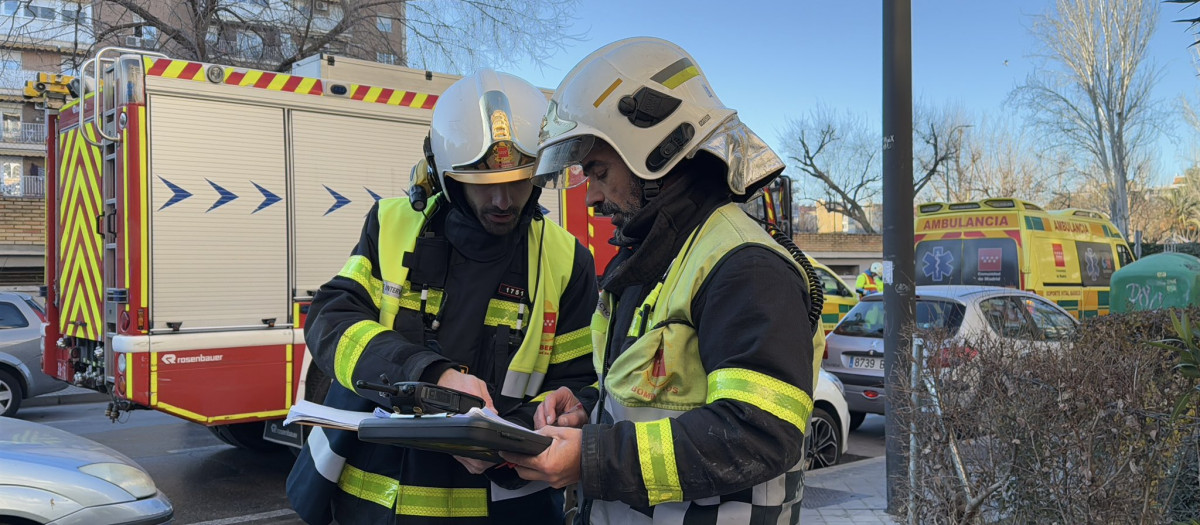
x=622 y=212
x=498 y=221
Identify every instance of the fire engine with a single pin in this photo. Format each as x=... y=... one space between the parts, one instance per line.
x=192 y=211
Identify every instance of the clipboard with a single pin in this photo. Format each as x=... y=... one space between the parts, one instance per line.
x=466 y=436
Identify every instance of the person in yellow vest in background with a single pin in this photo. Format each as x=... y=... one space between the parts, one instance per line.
x=463 y=284
x=704 y=333
x=870 y=281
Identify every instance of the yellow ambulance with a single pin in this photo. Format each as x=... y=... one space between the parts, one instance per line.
x=839 y=298
x=1067 y=256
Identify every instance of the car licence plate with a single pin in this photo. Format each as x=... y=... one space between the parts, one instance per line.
x=869 y=363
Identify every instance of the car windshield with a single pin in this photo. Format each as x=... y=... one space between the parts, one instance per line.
x=866 y=319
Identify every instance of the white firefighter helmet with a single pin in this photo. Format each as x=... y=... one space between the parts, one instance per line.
x=877 y=268
x=484 y=129
x=650 y=101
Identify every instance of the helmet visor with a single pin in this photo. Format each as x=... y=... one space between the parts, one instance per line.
x=560 y=166
x=502 y=163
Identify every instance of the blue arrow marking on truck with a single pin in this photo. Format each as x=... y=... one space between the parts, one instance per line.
x=225 y=196
x=338 y=200
x=373 y=194
x=936 y=264
x=268 y=198
x=179 y=193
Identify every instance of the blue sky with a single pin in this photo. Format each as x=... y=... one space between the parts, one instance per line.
x=772 y=60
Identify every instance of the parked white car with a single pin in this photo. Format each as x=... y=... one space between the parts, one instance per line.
x=51 y=476
x=829 y=427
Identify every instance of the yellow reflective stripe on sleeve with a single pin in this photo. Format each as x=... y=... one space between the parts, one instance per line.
x=784 y=401
x=350 y=348
x=656 y=452
x=411 y=300
x=442 y=502
x=502 y=313
x=358 y=269
x=411 y=500
x=375 y=488
x=540 y=397
x=572 y=345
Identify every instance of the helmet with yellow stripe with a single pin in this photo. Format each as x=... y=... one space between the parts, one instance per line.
x=649 y=100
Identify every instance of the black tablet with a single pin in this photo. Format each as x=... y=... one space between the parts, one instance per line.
x=471 y=437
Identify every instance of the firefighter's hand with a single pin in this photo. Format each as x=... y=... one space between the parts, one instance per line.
x=475 y=466
x=560 y=409
x=466 y=383
x=558 y=465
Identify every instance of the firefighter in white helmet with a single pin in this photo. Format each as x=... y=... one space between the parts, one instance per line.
x=463 y=284
x=705 y=343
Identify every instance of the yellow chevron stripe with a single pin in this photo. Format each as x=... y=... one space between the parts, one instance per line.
x=251 y=78
x=372 y=94
x=418 y=100
x=278 y=82
x=306 y=86
x=174 y=69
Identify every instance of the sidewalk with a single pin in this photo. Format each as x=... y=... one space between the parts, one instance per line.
x=848 y=494
x=66 y=396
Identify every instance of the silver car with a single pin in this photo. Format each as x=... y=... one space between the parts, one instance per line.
x=51 y=476
x=21 y=375
x=854 y=350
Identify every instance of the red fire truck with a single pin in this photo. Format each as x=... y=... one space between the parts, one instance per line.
x=192 y=211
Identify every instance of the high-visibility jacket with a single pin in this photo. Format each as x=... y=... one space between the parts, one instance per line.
x=868 y=284
x=660 y=378
x=339 y=477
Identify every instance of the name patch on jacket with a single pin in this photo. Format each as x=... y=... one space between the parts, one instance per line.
x=391 y=289
x=510 y=291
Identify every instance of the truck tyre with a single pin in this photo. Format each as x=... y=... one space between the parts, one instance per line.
x=11 y=394
x=248 y=436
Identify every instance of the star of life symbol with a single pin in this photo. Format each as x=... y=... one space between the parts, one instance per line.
x=1093 y=269
x=936 y=264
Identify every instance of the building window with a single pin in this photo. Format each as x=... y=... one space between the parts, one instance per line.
x=73 y=14
x=249 y=44
x=10 y=176
x=9 y=7
x=384 y=24
x=287 y=47
x=149 y=36
x=10 y=60
x=42 y=12
x=385 y=58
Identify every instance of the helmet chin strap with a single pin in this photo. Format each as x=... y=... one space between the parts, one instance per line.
x=650 y=190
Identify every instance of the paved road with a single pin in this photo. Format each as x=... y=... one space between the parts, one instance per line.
x=211 y=483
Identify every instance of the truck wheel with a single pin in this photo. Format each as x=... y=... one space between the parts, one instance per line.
x=248 y=436
x=11 y=394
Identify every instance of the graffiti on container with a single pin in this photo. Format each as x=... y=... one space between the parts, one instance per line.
x=1144 y=296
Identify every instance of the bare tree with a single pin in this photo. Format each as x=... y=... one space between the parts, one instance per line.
x=1094 y=98
x=447 y=35
x=840 y=151
x=997 y=158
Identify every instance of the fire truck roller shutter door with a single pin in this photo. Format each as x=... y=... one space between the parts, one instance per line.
x=234 y=207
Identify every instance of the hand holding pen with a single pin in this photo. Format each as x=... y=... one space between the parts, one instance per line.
x=560 y=409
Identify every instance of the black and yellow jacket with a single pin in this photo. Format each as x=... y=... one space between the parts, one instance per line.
x=423 y=292
x=708 y=369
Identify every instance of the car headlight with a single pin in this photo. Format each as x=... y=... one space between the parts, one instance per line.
x=133 y=480
x=836 y=382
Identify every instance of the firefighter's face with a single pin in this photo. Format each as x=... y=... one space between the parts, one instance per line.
x=611 y=189
x=498 y=206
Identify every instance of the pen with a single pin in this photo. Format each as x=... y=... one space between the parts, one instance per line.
x=577 y=406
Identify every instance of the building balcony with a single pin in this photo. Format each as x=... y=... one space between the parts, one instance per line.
x=24 y=133
x=28 y=186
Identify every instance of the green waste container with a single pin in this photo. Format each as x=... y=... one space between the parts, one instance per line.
x=1162 y=280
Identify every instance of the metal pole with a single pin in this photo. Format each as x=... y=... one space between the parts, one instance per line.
x=899 y=294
